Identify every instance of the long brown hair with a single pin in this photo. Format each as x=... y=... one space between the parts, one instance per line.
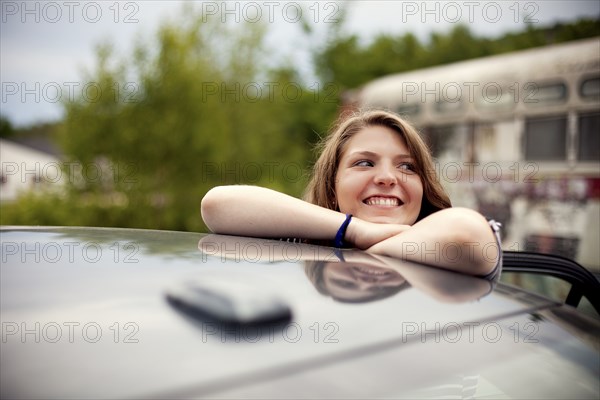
x=321 y=187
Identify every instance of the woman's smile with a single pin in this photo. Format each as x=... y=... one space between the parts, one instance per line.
x=383 y=201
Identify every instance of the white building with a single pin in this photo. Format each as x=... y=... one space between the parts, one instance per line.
x=23 y=168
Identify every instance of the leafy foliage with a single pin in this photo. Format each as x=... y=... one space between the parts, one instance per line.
x=347 y=64
x=6 y=128
x=202 y=112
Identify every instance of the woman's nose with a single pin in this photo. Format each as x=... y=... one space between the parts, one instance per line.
x=385 y=175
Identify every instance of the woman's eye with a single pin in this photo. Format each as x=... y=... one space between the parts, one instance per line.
x=344 y=283
x=407 y=167
x=363 y=163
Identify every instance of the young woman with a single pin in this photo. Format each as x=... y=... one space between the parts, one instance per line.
x=373 y=187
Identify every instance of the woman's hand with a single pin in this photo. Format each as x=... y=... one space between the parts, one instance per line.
x=363 y=234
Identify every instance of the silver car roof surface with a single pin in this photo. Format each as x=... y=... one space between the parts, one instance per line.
x=84 y=314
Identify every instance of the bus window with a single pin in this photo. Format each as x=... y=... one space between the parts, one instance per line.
x=546 y=138
x=447 y=141
x=590 y=89
x=589 y=137
x=496 y=99
x=537 y=94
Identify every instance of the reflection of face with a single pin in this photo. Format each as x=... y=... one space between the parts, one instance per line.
x=355 y=281
x=376 y=178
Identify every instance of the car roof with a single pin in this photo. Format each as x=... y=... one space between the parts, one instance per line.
x=86 y=313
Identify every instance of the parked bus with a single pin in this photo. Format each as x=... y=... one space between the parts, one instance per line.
x=516 y=136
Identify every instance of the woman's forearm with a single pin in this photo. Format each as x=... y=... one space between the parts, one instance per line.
x=261 y=212
x=458 y=239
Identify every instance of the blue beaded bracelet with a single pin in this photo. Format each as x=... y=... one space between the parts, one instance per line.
x=339 y=237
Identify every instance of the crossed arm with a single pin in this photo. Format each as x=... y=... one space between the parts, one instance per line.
x=458 y=239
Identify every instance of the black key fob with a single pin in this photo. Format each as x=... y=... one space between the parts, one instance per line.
x=228 y=301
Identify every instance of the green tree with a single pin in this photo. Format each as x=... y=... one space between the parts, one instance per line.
x=6 y=128
x=156 y=131
x=347 y=63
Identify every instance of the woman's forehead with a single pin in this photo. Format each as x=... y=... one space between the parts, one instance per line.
x=375 y=138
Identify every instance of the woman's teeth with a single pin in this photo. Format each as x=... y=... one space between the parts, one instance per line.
x=383 y=201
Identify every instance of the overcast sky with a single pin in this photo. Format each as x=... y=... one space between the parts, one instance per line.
x=45 y=45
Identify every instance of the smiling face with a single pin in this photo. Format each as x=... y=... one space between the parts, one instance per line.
x=376 y=179
x=360 y=282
